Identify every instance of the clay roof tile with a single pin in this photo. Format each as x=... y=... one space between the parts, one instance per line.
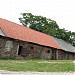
x=23 y=33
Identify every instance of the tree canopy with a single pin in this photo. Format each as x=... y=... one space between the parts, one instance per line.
x=47 y=26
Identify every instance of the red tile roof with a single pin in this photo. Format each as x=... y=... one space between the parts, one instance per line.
x=23 y=33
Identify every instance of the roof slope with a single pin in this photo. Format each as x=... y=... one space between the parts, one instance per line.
x=19 y=32
x=66 y=46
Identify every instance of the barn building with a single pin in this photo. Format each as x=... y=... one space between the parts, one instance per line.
x=17 y=41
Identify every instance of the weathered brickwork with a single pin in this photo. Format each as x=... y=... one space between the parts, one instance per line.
x=19 y=49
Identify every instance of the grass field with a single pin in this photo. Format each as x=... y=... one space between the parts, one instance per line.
x=38 y=65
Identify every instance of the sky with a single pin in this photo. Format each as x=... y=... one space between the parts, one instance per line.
x=62 y=11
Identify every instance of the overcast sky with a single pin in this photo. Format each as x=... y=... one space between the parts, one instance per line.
x=62 y=11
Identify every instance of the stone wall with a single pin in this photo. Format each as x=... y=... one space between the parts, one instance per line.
x=70 y=56
x=63 y=55
x=19 y=49
x=10 y=48
x=7 y=47
x=30 y=50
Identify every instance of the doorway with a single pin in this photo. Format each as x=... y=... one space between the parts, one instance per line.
x=20 y=50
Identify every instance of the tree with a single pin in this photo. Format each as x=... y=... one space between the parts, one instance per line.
x=48 y=26
x=72 y=38
x=39 y=23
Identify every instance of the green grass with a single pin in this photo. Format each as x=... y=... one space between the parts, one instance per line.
x=37 y=65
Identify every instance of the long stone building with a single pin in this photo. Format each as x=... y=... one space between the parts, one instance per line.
x=17 y=41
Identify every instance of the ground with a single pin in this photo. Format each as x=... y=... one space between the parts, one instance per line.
x=3 y=72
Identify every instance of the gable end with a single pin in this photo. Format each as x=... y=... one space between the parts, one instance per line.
x=1 y=32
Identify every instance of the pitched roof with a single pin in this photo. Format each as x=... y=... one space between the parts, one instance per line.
x=66 y=46
x=23 y=33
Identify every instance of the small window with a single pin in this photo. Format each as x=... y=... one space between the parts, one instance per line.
x=48 y=51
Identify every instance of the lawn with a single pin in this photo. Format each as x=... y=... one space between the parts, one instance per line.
x=38 y=65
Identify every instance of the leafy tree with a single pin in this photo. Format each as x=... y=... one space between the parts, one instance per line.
x=39 y=23
x=48 y=26
x=72 y=38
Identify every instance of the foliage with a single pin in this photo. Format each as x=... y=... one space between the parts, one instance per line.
x=47 y=26
x=38 y=65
